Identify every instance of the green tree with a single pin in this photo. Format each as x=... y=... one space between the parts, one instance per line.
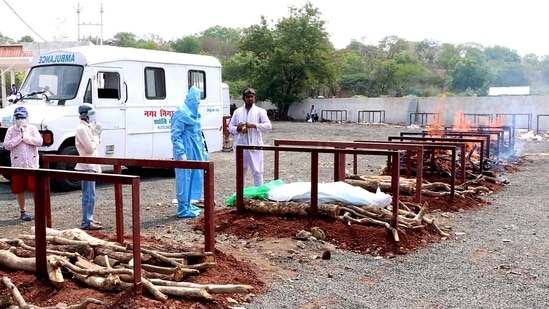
x=220 y=41
x=505 y=67
x=392 y=46
x=293 y=58
x=124 y=39
x=146 y=44
x=425 y=51
x=26 y=39
x=355 y=79
x=238 y=72
x=532 y=66
x=187 y=44
x=469 y=71
x=384 y=76
x=5 y=39
x=410 y=74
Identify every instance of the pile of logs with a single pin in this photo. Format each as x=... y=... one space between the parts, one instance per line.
x=411 y=215
x=108 y=265
x=407 y=186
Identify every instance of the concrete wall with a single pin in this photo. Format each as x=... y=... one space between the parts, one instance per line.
x=449 y=110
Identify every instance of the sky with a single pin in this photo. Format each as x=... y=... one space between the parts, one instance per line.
x=517 y=25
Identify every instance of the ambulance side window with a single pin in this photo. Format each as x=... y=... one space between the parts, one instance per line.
x=198 y=79
x=108 y=85
x=88 y=93
x=155 y=83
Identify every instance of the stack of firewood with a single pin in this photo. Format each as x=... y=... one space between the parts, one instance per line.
x=108 y=265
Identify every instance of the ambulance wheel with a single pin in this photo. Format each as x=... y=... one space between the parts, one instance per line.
x=66 y=184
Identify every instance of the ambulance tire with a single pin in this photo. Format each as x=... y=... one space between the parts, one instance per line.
x=66 y=185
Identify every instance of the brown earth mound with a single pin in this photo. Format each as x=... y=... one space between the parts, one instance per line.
x=231 y=270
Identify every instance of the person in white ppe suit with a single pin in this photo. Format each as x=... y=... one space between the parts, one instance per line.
x=188 y=144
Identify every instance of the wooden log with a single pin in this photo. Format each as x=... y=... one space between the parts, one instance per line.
x=122 y=257
x=101 y=283
x=12 y=261
x=289 y=208
x=405 y=187
x=54 y=272
x=84 y=251
x=212 y=288
x=14 y=292
x=366 y=220
x=85 y=264
x=105 y=261
x=177 y=273
x=201 y=293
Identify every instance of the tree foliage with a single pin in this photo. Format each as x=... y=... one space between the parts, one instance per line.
x=187 y=44
x=124 y=39
x=292 y=58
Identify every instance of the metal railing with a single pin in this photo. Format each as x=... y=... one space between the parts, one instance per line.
x=392 y=154
x=42 y=211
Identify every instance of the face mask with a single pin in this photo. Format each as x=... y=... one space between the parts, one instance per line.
x=91 y=118
x=21 y=122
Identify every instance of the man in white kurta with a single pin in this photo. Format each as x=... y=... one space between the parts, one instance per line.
x=246 y=125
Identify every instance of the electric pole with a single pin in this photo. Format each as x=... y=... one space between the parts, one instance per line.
x=79 y=9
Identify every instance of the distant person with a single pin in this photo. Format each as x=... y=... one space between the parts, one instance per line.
x=87 y=141
x=22 y=140
x=246 y=125
x=13 y=89
x=233 y=108
x=312 y=116
x=188 y=144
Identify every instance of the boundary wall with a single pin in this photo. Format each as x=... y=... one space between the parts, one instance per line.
x=397 y=110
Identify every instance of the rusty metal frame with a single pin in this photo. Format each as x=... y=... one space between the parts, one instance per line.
x=371 y=115
x=424 y=118
x=207 y=166
x=500 y=117
x=476 y=117
x=443 y=145
x=483 y=142
x=42 y=211
x=339 y=160
x=337 y=112
x=500 y=131
x=440 y=143
x=538 y=121
x=395 y=172
x=486 y=141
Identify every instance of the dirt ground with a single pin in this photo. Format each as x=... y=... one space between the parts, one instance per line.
x=257 y=237
x=248 y=247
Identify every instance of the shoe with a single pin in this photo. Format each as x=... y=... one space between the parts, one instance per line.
x=25 y=217
x=97 y=222
x=92 y=227
x=201 y=204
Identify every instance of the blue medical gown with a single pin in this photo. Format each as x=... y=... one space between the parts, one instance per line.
x=187 y=139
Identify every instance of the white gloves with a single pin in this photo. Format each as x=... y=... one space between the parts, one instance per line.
x=184 y=157
x=97 y=129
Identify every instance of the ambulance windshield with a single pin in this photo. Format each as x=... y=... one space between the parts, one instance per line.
x=58 y=82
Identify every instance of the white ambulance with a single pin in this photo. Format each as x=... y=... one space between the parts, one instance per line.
x=134 y=91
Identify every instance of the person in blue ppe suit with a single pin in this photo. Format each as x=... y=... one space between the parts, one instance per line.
x=188 y=144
